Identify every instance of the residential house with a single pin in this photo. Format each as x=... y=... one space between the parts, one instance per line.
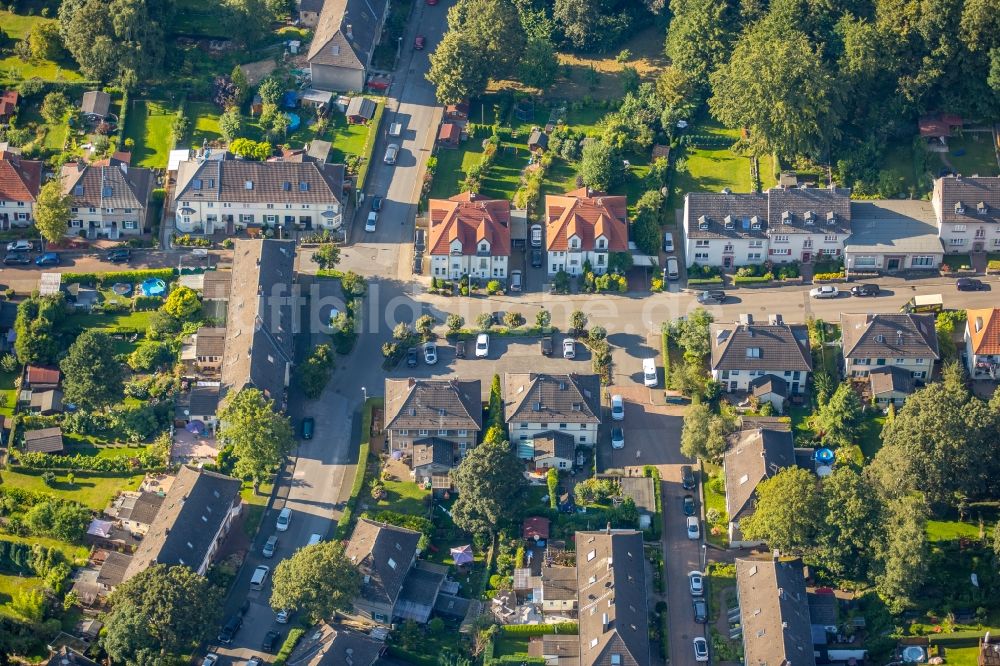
x=45 y=440
x=20 y=183
x=469 y=234
x=584 y=226
x=195 y=517
x=41 y=378
x=95 y=105
x=771 y=389
x=418 y=411
x=538 y=403
x=347 y=32
x=804 y=223
x=449 y=135
x=774 y=612
x=640 y=489
x=259 y=347
x=108 y=198
x=209 y=348
x=432 y=457
x=982 y=343
x=67 y=656
x=216 y=285
x=557 y=590
x=890 y=385
x=136 y=511
x=725 y=229
x=333 y=645
x=200 y=404
x=538 y=141
x=890 y=236
x=9 y=100
x=459 y=111
x=746 y=350
x=218 y=193
x=759 y=450
x=47 y=402
x=907 y=341
x=535 y=528
x=968 y=213
x=553 y=449
x=360 y=110
x=309 y=11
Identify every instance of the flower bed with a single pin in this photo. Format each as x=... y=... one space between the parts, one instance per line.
x=830 y=277
x=753 y=280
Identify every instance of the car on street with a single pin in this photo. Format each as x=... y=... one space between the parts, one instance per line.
x=419 y=43
x=19 y=246
x=281 y=617
x=314 y=539
x=700 y=609
x=270 y=546
x=371 y=222
x=307 y=428
x=284 y=518
x=255 y=661
x=825 y=291
x=47 y=259
x=271 y=641
x=569 y=349
x=210 y=659
x=418 y=240
x=482 y=345
x=17 y=259
x=546 y=346
x=693 y=527
x=376 y=203
x=119 y=255
x=700 y=649
x=395 y=129
x=617 y=438
x=668 y=242
x=712 y=296
x=687 y=477
x=617 y=408
x=259 y=577
x=460 y=349
x=536 y=235
x=412 y=357
x=969 y=284
x=430 y=353
x=650 y=376
x=697 y=583
x=515 y=281
x=688 y=505
x=391 y=152
x=229 y=629
x=536 y=258
x=865 y=290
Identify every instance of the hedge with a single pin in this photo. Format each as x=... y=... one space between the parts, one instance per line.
x=700 y=281
x=753 y=279
x=293 y=638
x=540 y=629
x=111 y=277
x=993 y=264
x=519 y=658
x=657 y=519
x=142 y=460
x=140 y=303
x=411 y=657
x=957 y=639
x=347 y=517
x=665 y=350
x=830 y=276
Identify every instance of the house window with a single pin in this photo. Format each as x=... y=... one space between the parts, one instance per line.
x=583 y=438
x=562 y=426
x=781 y=238
x=880 y=361
x=701 y=256
x=601 y=244
x=781 y=251
x=600 y=259
x=701 y=243
x=92 y=210
x=922 y=261
x=956 y=241
x=865 y=262
x=980 y=233
x=583 y=426
x=463 y=433
x=830 y=238
x=270 y=206
x=522 y=426
x=958 y=228
x=756 y=243
x=402 y=433
x=130 y=224
x=900 y=361
x=248 y=219
x=442 y=433
x=76 y=224
x=74 y=210
x=753 y=352
x=562 y=464
x=919 y=374
x=807 y=243
x=422 y=433
x=920 y=361
x=129 y=210
x=271 y=219
x=754 y=256
x=829 y=251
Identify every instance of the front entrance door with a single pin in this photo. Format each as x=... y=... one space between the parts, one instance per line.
x=727 y=262
x=977 y=247
x=806 y=257
x=892 y=264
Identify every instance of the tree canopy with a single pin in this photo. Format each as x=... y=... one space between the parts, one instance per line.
x=92 y=378
x=52 y=210
x=260 y=437
x=317 y=580
x=491 y=488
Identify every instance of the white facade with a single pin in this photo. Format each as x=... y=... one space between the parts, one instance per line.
x=783 y=248
x=105 y=222
x=582 y=433
x=971 y=236
x=16 y=214
x=479 y=265
x=401 y=439
x=864 y=260
x=725 y=252
x=920 y=368
x=209 y=217
x=233 y=513
x=739 y=380
x=572 y=261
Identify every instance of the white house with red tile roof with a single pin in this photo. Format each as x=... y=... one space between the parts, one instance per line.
x=469 y=234
x=584 y=225
x=982 y=343
x=20 y=183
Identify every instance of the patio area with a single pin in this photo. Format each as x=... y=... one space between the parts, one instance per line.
x=192 y=448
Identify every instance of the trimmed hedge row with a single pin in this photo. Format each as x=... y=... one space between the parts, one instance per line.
x=711 y=280
x=657 y=521
x=111 y=277
x=142 y=460
x=957 y=639
x=753 y=279
x=347 y=517
x=830 y=276
x=293 y=638
x=540 y=629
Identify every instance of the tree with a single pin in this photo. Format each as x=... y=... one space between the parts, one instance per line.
x=838 y=420
x=552 y=481
x=646 y=222
x=352 y=284
x=326 y=256
x=55 y=107
x=491 y=488
x=314 y=374
x=789 y=511
x=241 y=84
x=269 y=90
x=601 y=166
x=484 y=321
x=260 y=437
x=852 y=521
x=700 y=36
x=92 y=378
x=454 y=323
x=249 y=21
x=513 y=319
x=457 y=69
x=495 y=410
x=703 y=434
x=182 y=303
x=45 y=42
x=149 y=355
x=317 y=580
x=402 y=331
x=35 y=327
x=231 y=122
x=52 y=211
x=159 y=610
x=543 y=319
x=425 y=326
x=594 y=24
x=539 y=64
x=578 y=322
x=902 y=553
x=692 y=334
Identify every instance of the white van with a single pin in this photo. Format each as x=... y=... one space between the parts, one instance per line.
x=395 y=129
x=649 y=376
x=259 y=576
x=284 y=518
x=672 y=270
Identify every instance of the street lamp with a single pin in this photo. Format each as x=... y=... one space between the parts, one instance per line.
x=364 y=393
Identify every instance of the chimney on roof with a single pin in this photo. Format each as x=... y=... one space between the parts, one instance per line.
x=775 y=554
x=746 y=319
x=349 y=31
x=899 y=337
x=775 y=320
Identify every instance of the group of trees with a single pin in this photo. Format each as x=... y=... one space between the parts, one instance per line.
x=492 y=491
x=257 y=436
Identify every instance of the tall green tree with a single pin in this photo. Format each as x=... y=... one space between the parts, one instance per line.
x=37 y=339
x=260 y=437
x=317 y=580
x=457 y=70
x=789 y=511
x=646 y=222
x=852 y=521
x=182 y=302
x=601 y=166
x=838 y=421
x=52 y=210
x=92 y=378
x=491 y=488
x=692 y=334
x=496 y=415
x=538 y=65
x=902 y=553
x=704 y=434
x=700 y=37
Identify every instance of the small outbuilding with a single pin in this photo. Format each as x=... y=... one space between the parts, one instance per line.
x=890 y=385
x=46 y=440
x=538 y=141
x=535 y=528
x=360 y=110
x=449 y=135
x=96 y=105
x=772 y=389
x=46 y=403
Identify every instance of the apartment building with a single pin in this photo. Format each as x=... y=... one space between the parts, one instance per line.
x=469 y=234
x=108 y=198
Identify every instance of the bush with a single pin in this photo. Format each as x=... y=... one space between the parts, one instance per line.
x=540 y=629
x=829 y=276
x=762 y=279
x=492 y=287
x=111 y=277
x=187 y=240
x=142 y=460
x=294 y=636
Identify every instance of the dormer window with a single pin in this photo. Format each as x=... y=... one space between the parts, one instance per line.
x=753 y=352
x=959 y=208
x=574 y=243
x=602 y=244
x=730 y=223
x=809 y=217
x=786 y=217
x=703 y=223
x=982 y=208
x=755 y=223
x=831 y=218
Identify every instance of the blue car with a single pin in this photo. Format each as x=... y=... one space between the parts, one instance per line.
x=47 y=259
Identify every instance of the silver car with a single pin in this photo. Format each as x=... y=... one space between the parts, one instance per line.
x=270 y=546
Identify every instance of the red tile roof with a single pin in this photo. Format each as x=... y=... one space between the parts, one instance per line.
x=450 y=133
x=20 y=180
x=536 y=526
x=39 y=375
x=984 y=330
x=469 y=218
x=8 y=102
x=587 y=215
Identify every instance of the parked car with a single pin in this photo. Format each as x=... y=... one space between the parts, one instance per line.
x=482 y=345
x=281 y=617
x=48 y=259
x=17 y=259
x=270 y=546
x=430 y=353
x=418 y=240
x=546 y=346
x=395 y=129
x=371 y=222
x=376 y=203
x=119 y=255
x=672 y=271
x=308 y=425
x=687 y=477
x=515 y=281
x=536 y=235
x=255 y=661
x=20 y=246
x=668 y=242
x=969 y=284
x=617 y=408
x=284 y=518
x=391 y=152
x=271 y=641
x=825 y=291
x=211 y=659
x=697 y=583
x=536 y=258
x=700 y=609
x=693 y=527
x=314 y=539
x=712 y=296
x=650 y=376
x=617 y=438
x=569 y=348
x=412 y=357
x=700 y=649
x=418 y=263
x=688 y=504
x=259 y=576
x=229 y=629
x=419 y=43
x=460 y=349
x=865 y=290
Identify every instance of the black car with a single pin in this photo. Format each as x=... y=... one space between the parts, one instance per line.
x=546 y=346
x=865 y=290
x=376 y=204
x=969 y=284
x=119 y=255
x=271 y=641
x=418 y=263
x=418 y=240
x=17 y=259
x=411 y=357
x=687 y=477
x=712 y=296
x=700 y=610
x=689 y=505
x=460 y=349
x=536 y=258
x=230 y=628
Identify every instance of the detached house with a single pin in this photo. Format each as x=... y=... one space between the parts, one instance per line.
x=774 y=612
x=968 y=213
x=744 y=351
x=347 y=32
x=982 y=343
x=584 y=225
x=538 y=405
x=216 y=192
x=875 y=341
x=469 y=235
x=20 y=183
x=108 y=198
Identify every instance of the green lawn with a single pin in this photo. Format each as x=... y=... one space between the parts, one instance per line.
x=93 y=490
x=800 y=423
x=870 y=439
x=710 y=169
x=968 y=656
x=402 y=497
x=148 y=124
x=7 y=389
x=136 y=320
x=76 y=554
x=978 y=155
x=13 y=69
x=897 y=159
x=715 y=498
x=204 y=122
x=347 y=139
x=950 y=530
x=10 y=584
x=452 y=168
x=507 y=644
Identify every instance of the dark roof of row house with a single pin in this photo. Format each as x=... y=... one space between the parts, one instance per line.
x=108 y=184
x=203 y=400
x=756 y=452
x=547 y=398
x=748 y=345
x=113 y=569
x=47 y=401
x=433 y=404
x=248 y=181
x=553 y=444
x=144 y=509
x=96 y=102
x=383 y=554
x=433 y=451
x=890 y=379
x=185 y=527
x=259 y=320
x=768 y=384
x=361 y=107
x=970 y=200
x=469 y=219
x=614 y=619
x=774 y=611
x=210 y=341
x=216 y=284
x=67 y=656
x=46 y=440
x=808 y=210
x=20 y=179
x=726 y=215
x=328 y=645
x=889 y=335
x=559 y=583
x=346 y=33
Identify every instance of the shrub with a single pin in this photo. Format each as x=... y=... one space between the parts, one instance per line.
x=829 y=276
x=111 y=277
x=540 y=629
x=493 y=287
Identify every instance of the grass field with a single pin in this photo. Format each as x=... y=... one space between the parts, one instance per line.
x=507 y=644
x=978 y=155
x=950 y=530
x=897 y=159
x=7 y=389
x=10 y=584
x=76 y=554
x=92 y=490
x=402 y=497
x=12 y=68
x=715 y=498
x=870 y=439
x=204 y=122
x=347 y=139
x=136 y=320
x=711 y=169
x=962 y=656
x=148 y=124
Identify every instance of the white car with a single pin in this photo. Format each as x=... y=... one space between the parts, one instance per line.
x=617 y=408
x=210 y=659
x=700 y=649
x=284 y=518
x=281 y=617
x=482 y=345
x=693 y=527
x=697 y=583
x=826 y=291
x=19 y=246
x=395 y=129
x=390 y=153
x=569 y=349
x=617 y=438
x=372 y=219
x=430 y=353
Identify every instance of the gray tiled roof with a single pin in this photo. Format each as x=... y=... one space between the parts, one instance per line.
x=552 y=398
x=893 y=226
x=641 y=490
x=383 y=553
x=889 y=335
x=890 y=379
x=761 y=386
x=559 y=583
x=782 y=347
x=327 y=645
x=110 y=184
x=753 y=455
x=360 y=106
x=210 y=341
x=967 y=192
x=346 y=33
x=204 y=400
x=744 y=212
x=614 y=560
x=774 y=610
x=45 y=440
x=97 y=102
x=555 y=444
x=113 y=569
x=146 y=506
x=216 y=284
x=247 y=181
x=433 y=404
x=184 y=529
x=788 y=210
x=433 y=451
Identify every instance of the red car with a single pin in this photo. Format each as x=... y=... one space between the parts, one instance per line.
x=418 y=43
x=432 y=2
